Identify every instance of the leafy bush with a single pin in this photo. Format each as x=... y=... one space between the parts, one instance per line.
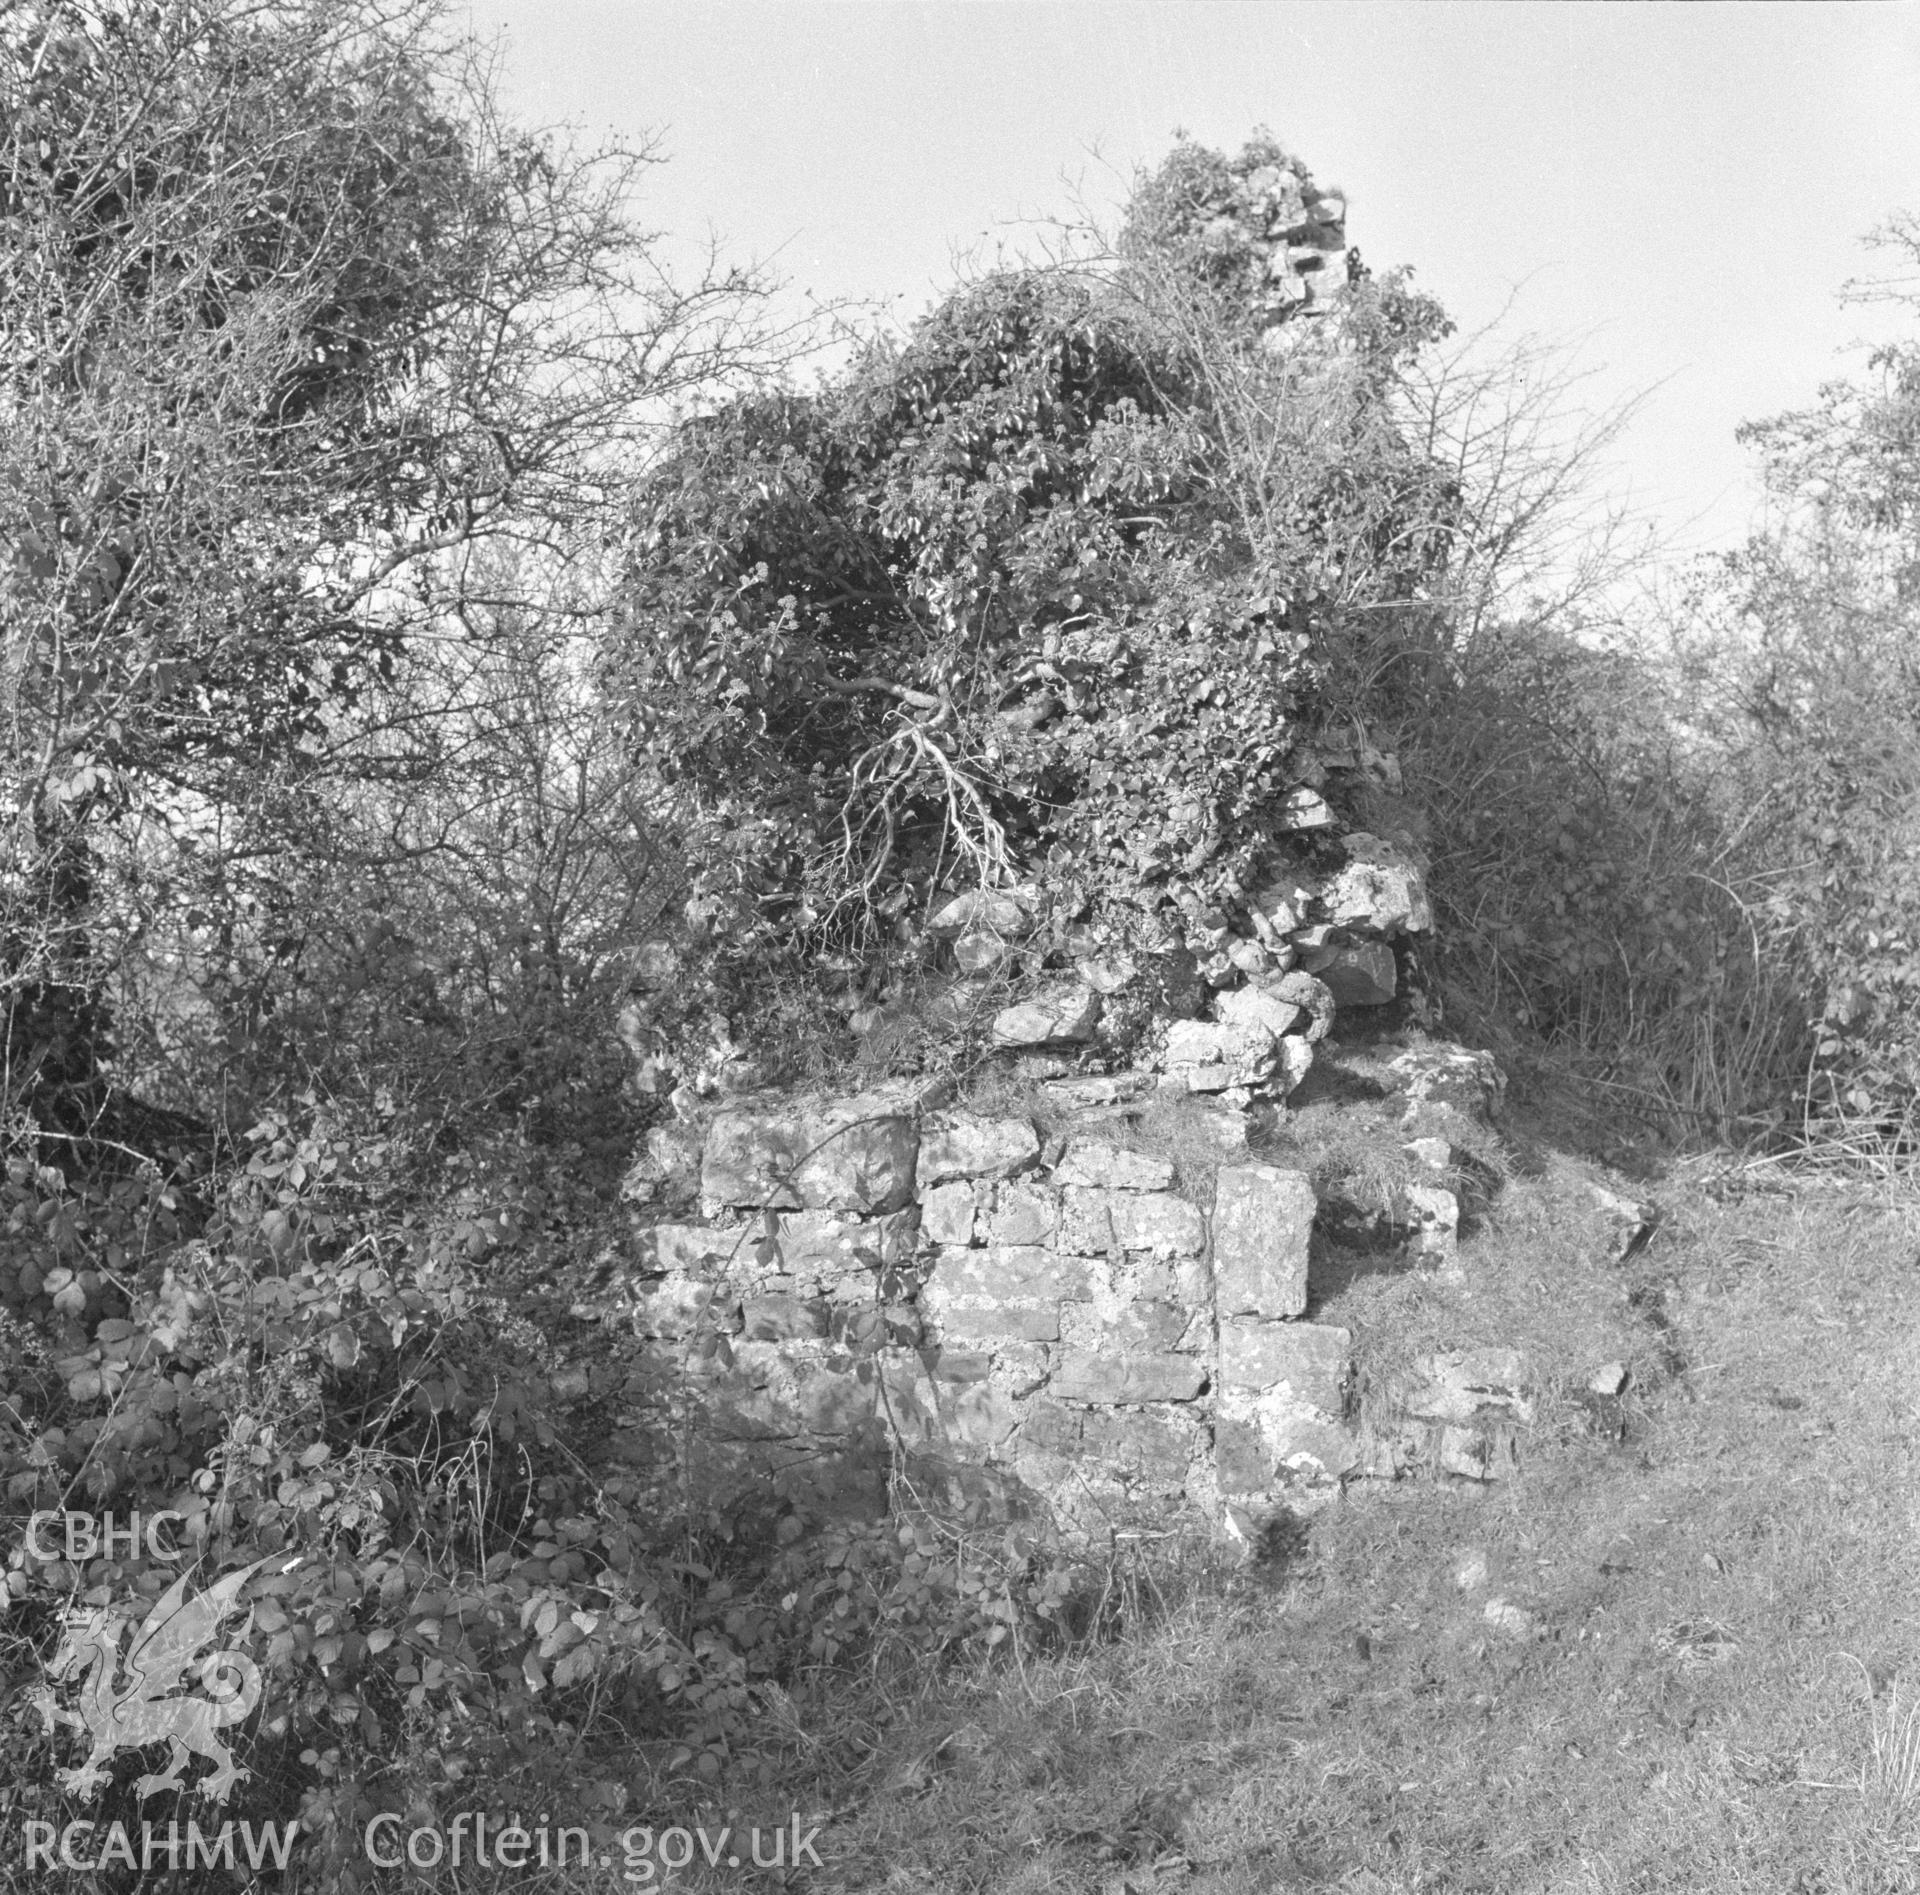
x=1042 y=591
x=328 y=1378
x=1590 y=888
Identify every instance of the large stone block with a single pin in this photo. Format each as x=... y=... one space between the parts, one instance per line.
x=1010 y=1273
x=1467 y=1081
x=840 y=1254
x=1256 y=1455
x=1311 y=1361
x=1210 y=1056
x=960 y=1366
x=910 y=1398
x=948 y=1404
x=1254 y=1007
x=1382 y=889
x=1144 y=1445
x=1023 y=1214
x=1006 y=1292
x=1108 y=1379
x=838 y=1155
x=1305 y=809
x=964 y=1320
x=1047 y=1428
x=782 y=1319
x=688 y=1248
x=979 y=1417
x=1097 y=1222
x=947 y=1213
x=1095 y=1091
x=1310 y=1447
x=668 y=1168
x=1240 y=1457
x=1363 y=975
x=1431 y=1215
x=1262 y=1221
x=985 y=911
x=976 y=1148
x=1144 y=1326
x=1062 y=1014
x=1112 y=1168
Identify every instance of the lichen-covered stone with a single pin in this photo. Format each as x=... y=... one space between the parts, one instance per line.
x=984 y=911
x=1431 y=1214
x=1007 y=1291
x=1245 y=1054
x=1302 y=990
x=837 y=1155
x=1089 y=1093
x=1213 y=1055
x=839 y=1255
x=1144 y=1445
x=1141 y=1378
x=1216 y=1123
x=833 y=1400
x=1466 y=1385
x=967 y=1319
x=1466 y=1081
x=1255 y=1007
x=1063 y=1014
x=1477 y=1453
x=1142 y=1326
x=1629 y=1222
x=1095 y=1222
x=1310 y=1360
x=959 y=1365
x=1048 y=1428
x=947 y=1213
x=1305 y=809
x=953 y=1406
x=1107 y=973
x=1011 y=1273
x=976 y=1148
x=1311 y=1447
x=1241 y=1461
x=1382 y=889
x=1023 y=1214
x=1112 y=1168
x=1262 y=1222
x=980 y=954
x=766 y=1392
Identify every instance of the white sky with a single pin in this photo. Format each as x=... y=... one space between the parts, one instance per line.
x=1680 y=189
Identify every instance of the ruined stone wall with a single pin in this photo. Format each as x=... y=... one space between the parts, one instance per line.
x=884 y=1287
x=1041 y=1310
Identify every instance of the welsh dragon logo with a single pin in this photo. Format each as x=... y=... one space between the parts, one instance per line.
x=123 y=1701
